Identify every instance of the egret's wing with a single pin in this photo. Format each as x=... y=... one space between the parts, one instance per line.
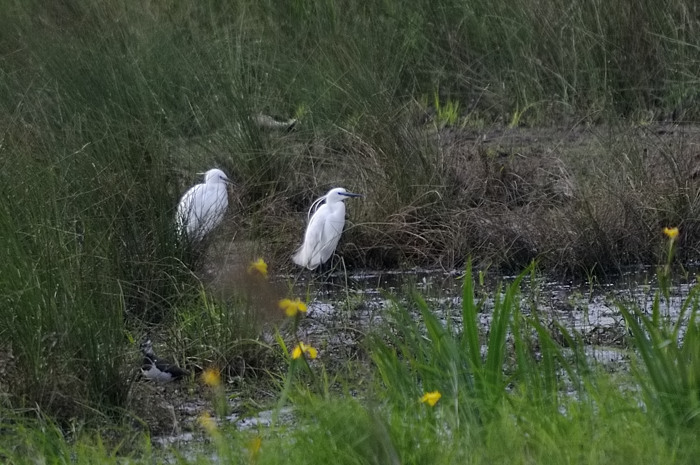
x=307 y=254
x=185 y=210
x=315 y=232
x=332 y=229
x=201 y=209
x=212 y=207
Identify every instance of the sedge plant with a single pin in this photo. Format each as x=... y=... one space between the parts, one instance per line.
x=668 y=351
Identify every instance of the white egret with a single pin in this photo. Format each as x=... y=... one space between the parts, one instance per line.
x=156 y=369
x=202 y=207
x=324 y=229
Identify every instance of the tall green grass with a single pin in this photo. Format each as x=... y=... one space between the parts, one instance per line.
x=60 y=317
x=668 y=360
x=107 y=110
x=474 y=372
x=172 y=88
x=87 y=224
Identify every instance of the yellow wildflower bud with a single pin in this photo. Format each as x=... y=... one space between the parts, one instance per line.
x=258 y=266
x=431 y=398
x=207 y=422
x=302 y=348
x=292 y=307
x=211 y=377
x=671 y=233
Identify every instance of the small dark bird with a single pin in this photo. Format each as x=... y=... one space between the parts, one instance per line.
x=158 y=370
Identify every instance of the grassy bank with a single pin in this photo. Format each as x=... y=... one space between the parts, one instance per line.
x=440 y=393
x=563 y=133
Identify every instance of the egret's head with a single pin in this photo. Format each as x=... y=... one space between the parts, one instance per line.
x=339 y=194
x=215 y=175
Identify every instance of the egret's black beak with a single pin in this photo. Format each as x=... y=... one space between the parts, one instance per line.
x=350 y=194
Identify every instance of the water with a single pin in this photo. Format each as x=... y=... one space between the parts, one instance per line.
x=343 y=309
x=341 y=314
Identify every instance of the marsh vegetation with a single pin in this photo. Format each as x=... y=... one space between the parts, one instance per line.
x=543 y=131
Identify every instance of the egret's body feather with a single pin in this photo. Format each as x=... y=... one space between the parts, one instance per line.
x=203 y=206
x=324 y=229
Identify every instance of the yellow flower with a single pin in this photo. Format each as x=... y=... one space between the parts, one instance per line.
x=302 y=348
x=671 y=233
x=292 y=307
x=431 y=398
x=207 y=422
x=211 y=377
x=258 y=266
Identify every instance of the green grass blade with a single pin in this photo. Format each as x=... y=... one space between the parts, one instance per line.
x=470 y=338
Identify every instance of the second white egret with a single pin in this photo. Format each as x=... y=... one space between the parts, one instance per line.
x=324 y=228
x=203 y=206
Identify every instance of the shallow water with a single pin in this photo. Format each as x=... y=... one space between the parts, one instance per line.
x=342 y=310
x=342 y=306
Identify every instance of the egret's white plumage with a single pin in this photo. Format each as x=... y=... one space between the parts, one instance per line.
x=324 y=228
x=202 y=207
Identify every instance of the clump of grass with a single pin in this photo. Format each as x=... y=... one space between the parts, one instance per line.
x=669 y=358
x=447 y=113
x=226 y=329
x=669 y=351
x=429 y=355
x=27 y=440
x=225 y=334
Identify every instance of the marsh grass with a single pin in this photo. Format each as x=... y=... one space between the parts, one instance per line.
x=669 y=353
x=108 y=110
x=225 y=334
x=473 y=371
x=144 y=89
x=25 y=441
x=511 y=394
x=66 y=336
